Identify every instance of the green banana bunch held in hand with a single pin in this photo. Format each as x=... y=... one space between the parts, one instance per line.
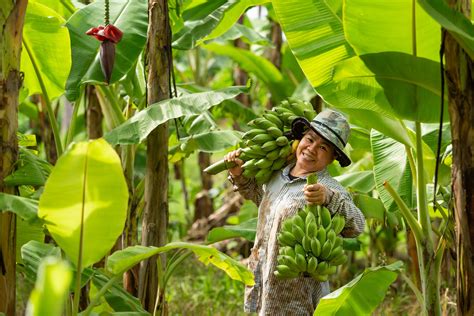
x=310 y=244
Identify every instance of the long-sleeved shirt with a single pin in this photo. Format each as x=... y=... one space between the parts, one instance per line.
x=278 y=200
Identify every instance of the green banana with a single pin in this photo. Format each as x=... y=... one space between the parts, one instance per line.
x=278 y=164
x=275 y=132
x=263 y=123
x=252 y=133
x=273 y=155
x=312 y=265
x=273 y=117
x=287 y=239
x=281 y=141
x=250 y=164
x=326 y=249
x=298 y=233
x=325 y=217
x=262 y=139
x=269 y=146
x=321 y=235
x=263 y=163
x=315 y=247
x=301 y=262
x=322 y=266
x=306 y=242
x=336 y=252
x=311 y=229
x=285 y=151
x=290 y=262
x=339 y=260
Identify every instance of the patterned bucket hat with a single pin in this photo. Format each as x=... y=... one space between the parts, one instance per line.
x=330 y=125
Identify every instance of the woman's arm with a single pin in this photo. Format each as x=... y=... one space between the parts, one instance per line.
x=341 y=203
x=248 y=188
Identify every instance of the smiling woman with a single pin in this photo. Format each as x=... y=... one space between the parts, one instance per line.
x=322 y=141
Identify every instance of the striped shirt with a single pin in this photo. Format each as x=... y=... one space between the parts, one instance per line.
x=277 y=200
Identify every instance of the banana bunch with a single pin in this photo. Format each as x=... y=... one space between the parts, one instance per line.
x=265 y=146
x=309 y=243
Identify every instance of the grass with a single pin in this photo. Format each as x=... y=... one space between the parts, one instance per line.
x=196 y=289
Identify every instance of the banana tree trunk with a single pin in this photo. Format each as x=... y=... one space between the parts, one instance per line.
x=459 y=77
x=155 y=215
x=10 y=82
x=275 y=52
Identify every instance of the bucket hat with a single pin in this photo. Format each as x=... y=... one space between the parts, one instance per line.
x=330 y=125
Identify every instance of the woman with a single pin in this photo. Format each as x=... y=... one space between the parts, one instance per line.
x=321 y=142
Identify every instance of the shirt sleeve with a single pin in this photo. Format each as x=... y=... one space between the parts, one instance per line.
x=341 y=203
x=248 y=188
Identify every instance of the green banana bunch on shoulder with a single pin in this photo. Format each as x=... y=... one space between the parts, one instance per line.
x=310 y=244
x=265 y=147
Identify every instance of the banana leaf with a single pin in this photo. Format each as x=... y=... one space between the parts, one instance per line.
x=130 y=16
x=362 y=295
x=137 y=128
x=121 y=261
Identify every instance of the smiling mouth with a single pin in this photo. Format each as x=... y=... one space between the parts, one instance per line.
x=308 y=157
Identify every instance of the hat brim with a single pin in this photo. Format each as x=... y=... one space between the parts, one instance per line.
x=300 y=125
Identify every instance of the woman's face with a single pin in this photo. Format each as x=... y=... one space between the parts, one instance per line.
x=313 y=153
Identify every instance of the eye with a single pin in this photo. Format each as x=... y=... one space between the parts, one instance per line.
x=323 y=148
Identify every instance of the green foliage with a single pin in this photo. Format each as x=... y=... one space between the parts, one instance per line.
x=51 y=289
x=393 y=31
x=141 y=124
x=316 y=36
x=30 y=170
x=24 y=207
x=46 y=54
x=86 y=185
x=362 y=295
x=454 y=21
x=123 y=260
x=246 y=230
x=130 y=16
x=218 y=19
x=396 y=85
x=391 y=165
x=260 y=66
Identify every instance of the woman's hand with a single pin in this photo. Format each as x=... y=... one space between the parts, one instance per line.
x=316 y=194
x=232 y=156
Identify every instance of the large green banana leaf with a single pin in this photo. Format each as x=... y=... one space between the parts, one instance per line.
x=137 y=128
x=362 y=295
x=391 y=165
x=218 y=21
x=316 y=36
x=212 y=141
x=46 y=54
x=121 y=261
x=361 y=181
x=86 y=186
x=454 y=21
x=315 y=33
x=65 y=8
x=24 y=207
x=387 y=26
x=130 y=16
x=51 y=289
x=390 y=83
x=259 y=66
